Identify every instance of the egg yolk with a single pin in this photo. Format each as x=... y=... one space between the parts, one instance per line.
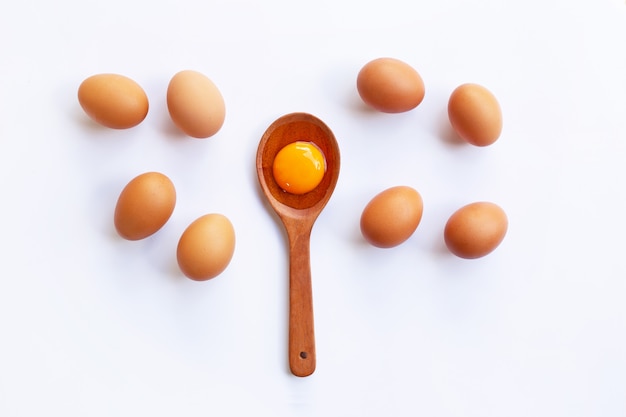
x=299 y=167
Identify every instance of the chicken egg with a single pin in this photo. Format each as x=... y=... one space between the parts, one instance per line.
x=475 y=114
x=392 y=216
x=475 y=230
x=113 y=100
x=195 y=104
x=206 y=247
x=144 y=205
x=390 y=85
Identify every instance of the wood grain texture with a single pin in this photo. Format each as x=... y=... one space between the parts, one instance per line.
x=298 y=214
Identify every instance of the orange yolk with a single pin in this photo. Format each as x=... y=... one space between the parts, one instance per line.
x=299 y=167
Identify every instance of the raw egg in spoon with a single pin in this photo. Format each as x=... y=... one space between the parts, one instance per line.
x=298 y=212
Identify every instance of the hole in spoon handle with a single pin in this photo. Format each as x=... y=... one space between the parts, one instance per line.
x=301 y=329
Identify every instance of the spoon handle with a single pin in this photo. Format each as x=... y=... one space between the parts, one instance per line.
x=301 y=330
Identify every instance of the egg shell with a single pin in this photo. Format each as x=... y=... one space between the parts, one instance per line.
x=206 y=247
x=390 y=85
x=475 y=230
x=113 y=100
x=195 y=104
x=392 y=216
x=144 y=206
x=475 y=114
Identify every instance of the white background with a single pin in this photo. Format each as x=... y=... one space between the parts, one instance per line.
x=92 y=325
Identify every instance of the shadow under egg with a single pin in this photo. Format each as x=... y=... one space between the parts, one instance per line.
x=447 y=133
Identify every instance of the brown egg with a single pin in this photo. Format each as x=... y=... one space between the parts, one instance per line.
x=475 y=114
x=206 y=247
x=144 y=205
x=195 y=104
x=392 y=216
x=390 y=85
x=113 y=100
x=475 y=230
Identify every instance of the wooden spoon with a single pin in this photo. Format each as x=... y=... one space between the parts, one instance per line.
x=298 y=213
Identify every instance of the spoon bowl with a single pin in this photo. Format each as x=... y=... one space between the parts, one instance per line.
x=298 y=213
